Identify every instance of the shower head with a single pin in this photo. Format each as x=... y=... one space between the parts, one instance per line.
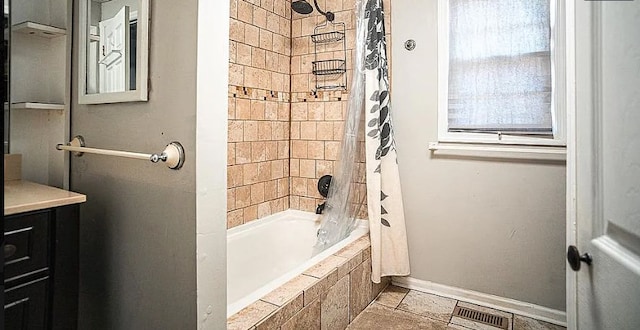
x=302 y=7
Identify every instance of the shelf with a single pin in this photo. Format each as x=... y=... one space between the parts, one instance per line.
x=334 y=36
x=329 y=67
x=39 y=30
x=37 y=106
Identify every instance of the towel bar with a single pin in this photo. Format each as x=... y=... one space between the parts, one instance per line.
x=172 y=155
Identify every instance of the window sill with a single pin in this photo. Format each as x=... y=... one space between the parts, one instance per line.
x=500 y=151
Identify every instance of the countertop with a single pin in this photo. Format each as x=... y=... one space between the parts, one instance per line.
x=24 y=196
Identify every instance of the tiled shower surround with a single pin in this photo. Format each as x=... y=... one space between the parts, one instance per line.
x=283 y=136
x=259 y=109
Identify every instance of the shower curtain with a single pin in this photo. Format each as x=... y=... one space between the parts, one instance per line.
x=389 y=250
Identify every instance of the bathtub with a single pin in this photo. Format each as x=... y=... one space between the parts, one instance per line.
x=266 y=253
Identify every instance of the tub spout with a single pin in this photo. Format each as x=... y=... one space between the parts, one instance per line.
x=320 y=208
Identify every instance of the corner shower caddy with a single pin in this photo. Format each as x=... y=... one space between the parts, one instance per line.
x=331 y=74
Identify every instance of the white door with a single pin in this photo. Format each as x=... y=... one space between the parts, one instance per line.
x=604 y=172
x=114 y=52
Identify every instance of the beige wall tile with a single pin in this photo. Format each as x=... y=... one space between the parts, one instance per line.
x=231 y=154
x=245 y=12
x=243 y=109
x=265 y=130
x=258 y=152
x=298 y=186
x=250 y=173
x=267 y=5
x=264 y=171
x=307 y=168
x=264 y=209
x=258 y=58
x=243 y=152
x=278 y=7
x=266 y=39
x=283 y=149
x=331 y=150
x=299 y=111
x=316 y=110
x=257 y=110
x=323 y=167
x=243 y=196
x=231 y=108
x=235 y=176
x=308 y=130
x=284 y=110
x=324 y=131
x=283 y=187
x=271 y=150
x=250 y=131
x=250 y=213
x=236 y=74
x=298 y=149
x=235 y=131
x=277 y=169
x=294 y=167
x=259 y=17
x=273 y=23
x=252 y=35
x=235 y=218
x=308 y=204
x=270 y=190
x=233 y=8
x=316 y=149
x=236 y=30
x=333 y=111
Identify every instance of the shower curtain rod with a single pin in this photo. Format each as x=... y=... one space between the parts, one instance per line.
x=172 y=155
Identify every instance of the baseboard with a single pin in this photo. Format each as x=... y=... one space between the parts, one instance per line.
x=506 y=304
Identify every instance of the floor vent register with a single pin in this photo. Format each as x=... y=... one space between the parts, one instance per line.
x=481 y=317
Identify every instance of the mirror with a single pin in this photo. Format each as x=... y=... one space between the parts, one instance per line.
x=113 y=51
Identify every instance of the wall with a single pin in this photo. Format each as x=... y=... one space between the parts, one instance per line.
x=258 y=144
x=317 y=118
x=138 y=226
x=39 y=68
x=492 y=225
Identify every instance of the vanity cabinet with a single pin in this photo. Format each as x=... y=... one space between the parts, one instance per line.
x=41 y=269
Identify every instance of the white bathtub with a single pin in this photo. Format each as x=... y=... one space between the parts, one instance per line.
x=266 y=253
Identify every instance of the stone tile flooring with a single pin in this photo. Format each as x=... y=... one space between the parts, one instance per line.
x=400 y=308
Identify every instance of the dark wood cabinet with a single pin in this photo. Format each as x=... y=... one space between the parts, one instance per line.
x=41 y=269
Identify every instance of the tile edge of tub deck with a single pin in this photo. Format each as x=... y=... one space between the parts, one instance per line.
x=325 y=275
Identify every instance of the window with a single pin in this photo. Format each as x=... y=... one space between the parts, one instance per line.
x=501 y=72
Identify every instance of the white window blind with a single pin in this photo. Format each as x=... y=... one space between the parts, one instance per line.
x=500 y=73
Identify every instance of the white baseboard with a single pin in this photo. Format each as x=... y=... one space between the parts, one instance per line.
x=505 y=304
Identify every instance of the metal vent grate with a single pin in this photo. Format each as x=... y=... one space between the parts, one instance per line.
x=485 y=318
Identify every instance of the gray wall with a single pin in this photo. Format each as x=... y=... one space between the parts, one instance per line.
x=138 y=227
x=491 y=225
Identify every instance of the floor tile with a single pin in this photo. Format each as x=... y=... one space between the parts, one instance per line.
x=377 y=316
x=392 y=296
x=527 y=323
x=435 y=307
